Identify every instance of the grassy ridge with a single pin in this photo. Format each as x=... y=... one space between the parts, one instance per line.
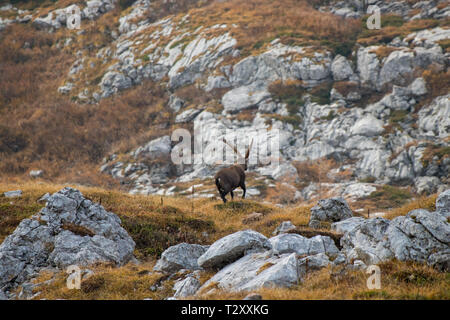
x=155 y=226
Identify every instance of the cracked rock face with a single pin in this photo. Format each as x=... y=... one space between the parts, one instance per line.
x=232 y=247
x=331 y=210
x=70 y=230
x=419 y=236
x=443 y=203
x=367 y=242
x=290 y=242
x=257 y=270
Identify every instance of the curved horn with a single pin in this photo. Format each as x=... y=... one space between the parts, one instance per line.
x=232 y=147
x=248 y=150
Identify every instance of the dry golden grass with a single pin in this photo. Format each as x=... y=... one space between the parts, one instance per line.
x=155 y=222
x=423 y=202
x=384 y=51
x=399 y=280
x=130 y=282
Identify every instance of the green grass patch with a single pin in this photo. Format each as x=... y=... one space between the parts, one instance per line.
x=154 y=234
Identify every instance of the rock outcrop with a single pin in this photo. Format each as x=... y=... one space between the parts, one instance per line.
x=329 y=210
x=232 y=247
x=69 y=230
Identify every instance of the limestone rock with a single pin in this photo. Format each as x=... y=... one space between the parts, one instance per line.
x=443 y=203
x=291 y=242
x=180 y=256
x=186 y=287
x=256 y=270
x=330 y=210
x=232 y=247
x=69 y=230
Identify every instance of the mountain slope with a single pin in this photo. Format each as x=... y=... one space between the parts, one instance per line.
x=354 y=109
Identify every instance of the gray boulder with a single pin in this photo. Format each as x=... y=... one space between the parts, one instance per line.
x=443 y=203
x=434 y=119
x=232 y=247
x=243 y=97
x=254 y=271
x=114 y=81
x=367 y=242
x=69 y=230
x=159 y=147
x=291 y=242
x=180 y=256
x=419 y=235
x=329 y=210
x=341 y=68
x=187 y=115
x=186 y=287
x=284 y=227
x=426 y=184
x=346 y=225
x=368 y=66
x=368 y=126
x=396 y=66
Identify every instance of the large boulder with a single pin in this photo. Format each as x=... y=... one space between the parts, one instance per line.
x=243 y=97
x=396 y=66
x=426 y=184
x=367 y=242
x=341 y=68
x=284 y=227
x=329 y=210
x=291 y=242
x=180 y=256
x=69 y=230
x=159 y=147
x=368 y=126
x=434 y=119
x=420 y=236
x=232 y=247
x=254 y=271
x=312 y=263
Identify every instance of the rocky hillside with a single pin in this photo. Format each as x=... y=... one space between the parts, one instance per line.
x=353 y=109
x=349 y=165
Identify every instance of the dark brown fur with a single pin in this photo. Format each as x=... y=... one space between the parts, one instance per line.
x=228 y=179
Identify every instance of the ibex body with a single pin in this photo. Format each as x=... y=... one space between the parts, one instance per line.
x=228 y=179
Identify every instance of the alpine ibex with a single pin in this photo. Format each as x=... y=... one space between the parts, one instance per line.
x=228 y=179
